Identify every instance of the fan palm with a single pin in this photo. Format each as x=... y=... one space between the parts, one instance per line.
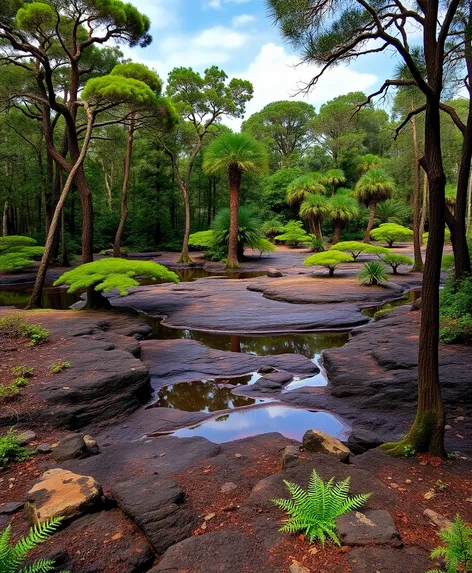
x=235 y=153
x=341 y=209
x=249 y=229
x=369 y=161
x=314 y=208
x=373 y=187
x=304 y=186
x=335 y=177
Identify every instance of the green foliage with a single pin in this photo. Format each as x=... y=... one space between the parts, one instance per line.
x=272 y=227
x=139 y=72
x=118 y=90
x=374 y=186
x=373 y=273
x=11 y=451
x=202 y=239
x=303 y=187
x=294 y=234
x=314 y=511
x=408 y=451
x=342 y=208
x=457 y=548
x=392 y=211
x=316 y=245
x=447 y=236
x=108 y=274
x=17 y=253
x=34 y=16
x=447 y=262
x=354 y=248
x=376 y=250
x=329 y=259
x=249 y=227
x=395 y=261
x=314 y=207
x=59 y=366
x=13 y=556
x=16 y=326
x=22 y=370
x=391 y=233
x=264 y=246
x=11 y=241
x=238 y=151
x=456 y=311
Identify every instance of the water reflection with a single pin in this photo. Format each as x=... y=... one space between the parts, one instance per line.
x=56 y=298
x=290 y=422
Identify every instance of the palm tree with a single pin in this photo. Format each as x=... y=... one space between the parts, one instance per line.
x=235 y=153
x=369 y=161
x=303 y=186
x=373 y=187
x=341 y=209
x=335 y=177
x=314 y=208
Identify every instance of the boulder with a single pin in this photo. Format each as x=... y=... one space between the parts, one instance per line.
x=71 y=447
x=61 y=493
x=373 y=526
x=290 y=455
x=362 y=440
x=318 y=442
x=274 y=273
x=44 y=448
x=26 y=437
x=157 y=506
x=438 y=519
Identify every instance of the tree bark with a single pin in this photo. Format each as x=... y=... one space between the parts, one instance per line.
x=5 y=219
x=36 y=296
x=469 y=205
x=124 y=190
x=337 y=232
x=418 y=258
x=234 y=187
x=370 y=224
x=424 y=207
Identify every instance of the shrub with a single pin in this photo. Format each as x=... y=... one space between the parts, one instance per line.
x=11 y=241
x=354 y=248
x=374 y=250
x=316 y=245
x=456 y=310
x=59 y=366
x=373 y=273
x=264 y=246
x=294 y=234
x=328 y=259
x=391 y=233
x=10 y=450
x=16 y=326
x=392 y=211
x=314 y=511
x=17 y=253
x=395 y=261
x=457 y=550
x=249 y=228
x=25 y=371
x=272 y=228
x=202 y=240
x=12 y=557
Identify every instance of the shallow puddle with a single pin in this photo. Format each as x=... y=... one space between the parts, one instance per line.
x=290 y=422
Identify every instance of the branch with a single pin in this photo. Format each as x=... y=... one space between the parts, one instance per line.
x=454 y=116
x=408 y=117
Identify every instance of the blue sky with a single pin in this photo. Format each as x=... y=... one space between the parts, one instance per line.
x=239 y=37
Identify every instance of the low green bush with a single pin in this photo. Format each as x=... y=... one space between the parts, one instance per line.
x=354 y=248
x=328 y=259
x=10 y=449
x=17 y=253
x=391 y=233
x=394 y=261
x=22 y=370
x=16 y=326
x=456 y=311
x=294 y=234
x=373 y=273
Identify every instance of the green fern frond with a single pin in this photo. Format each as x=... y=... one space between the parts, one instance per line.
x=457 y=550
x=314 y=511
x=41 y=566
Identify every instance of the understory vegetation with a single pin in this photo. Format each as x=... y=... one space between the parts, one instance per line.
x=10 y=449
x=456 y=310
x=16 y=326
x=457 y=548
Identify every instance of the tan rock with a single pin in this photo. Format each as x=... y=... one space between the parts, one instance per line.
x=61 y=493
x=438 y=519
x=320 y=443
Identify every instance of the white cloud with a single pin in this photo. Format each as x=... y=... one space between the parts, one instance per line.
x=216 y=4
x=162 y=13
x=275 y=76
x=219 y=37
x=243 y=19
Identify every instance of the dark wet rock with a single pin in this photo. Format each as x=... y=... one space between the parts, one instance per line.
x=11 y=507
x=157 y=505
x=44 y=448
x=374 y=526
x=26 y=437
x=219 y=552
x=290 y=454
x=71 y=447
x=273 y=381
x=299 y=472
x=376 y=374
x=388 y=560
x=266 y=370
x=165 y=456
x=109 y=542
x=362 y=440
x=318 y=442
x=235 y=309
x=174 y=361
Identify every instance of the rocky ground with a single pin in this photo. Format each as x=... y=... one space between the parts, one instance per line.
x=137 y=503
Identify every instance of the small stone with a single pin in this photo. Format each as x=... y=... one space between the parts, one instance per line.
x=26 y=437
x=210 y=516
x=11 y=507
x=394 y=485
x=44 y=449
x=238 y=456
x=71 y=447
x=438 y=520
x=204 y=525
x=318 y=442
x=274 y=273
x=290 y=454
x=266 y=369
x=447 y=427
x=408 y=481
x=92 y=445
x=429 y=495
x=296 y=567
x=459 y=419
x=228 y=487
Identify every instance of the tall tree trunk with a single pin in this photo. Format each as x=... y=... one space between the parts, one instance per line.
x=65 y=262
x=184 y=255
x=337 y=231
x=234 y=186
x=370 y=224
x=424 y=207
x=5 y=219
x=469 y=206
x=124 y=190
x=36 y=296
x=418 y=259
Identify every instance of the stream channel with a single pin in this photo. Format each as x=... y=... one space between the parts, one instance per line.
x=235 y=416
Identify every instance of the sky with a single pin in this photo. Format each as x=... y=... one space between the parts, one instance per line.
x=239 y=37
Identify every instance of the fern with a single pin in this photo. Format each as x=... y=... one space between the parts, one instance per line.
x=458 y=548
x=315 y=510
x=12 y=557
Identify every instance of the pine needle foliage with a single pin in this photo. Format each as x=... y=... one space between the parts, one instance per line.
x=314 y=511
x=108 y=274
x=13 y=556
x=457 y=550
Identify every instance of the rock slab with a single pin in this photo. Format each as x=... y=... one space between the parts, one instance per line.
x=388 y=560
x=364 y=528
x=61 y=493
